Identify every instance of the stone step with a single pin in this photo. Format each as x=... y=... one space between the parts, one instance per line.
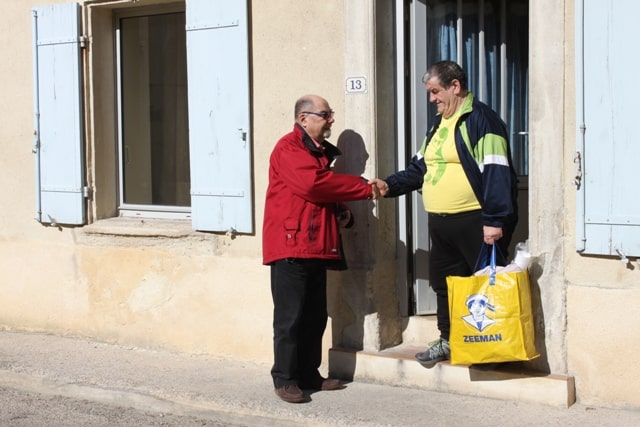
x=397 y=366
x=420 y=330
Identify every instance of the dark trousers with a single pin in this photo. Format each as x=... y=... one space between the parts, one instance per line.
x=456 y=242
x=299 y=291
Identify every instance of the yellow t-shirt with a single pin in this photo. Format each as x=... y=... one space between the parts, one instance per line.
x=446 y=188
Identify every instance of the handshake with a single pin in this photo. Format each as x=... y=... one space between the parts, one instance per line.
x=379 y=188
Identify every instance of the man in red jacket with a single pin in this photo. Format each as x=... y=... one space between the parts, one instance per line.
x=301 y=240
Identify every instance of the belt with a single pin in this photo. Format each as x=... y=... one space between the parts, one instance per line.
x=457 y=214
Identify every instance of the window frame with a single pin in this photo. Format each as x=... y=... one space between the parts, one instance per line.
x=131 y=209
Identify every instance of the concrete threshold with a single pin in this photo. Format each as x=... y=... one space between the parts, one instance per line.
x=397 y=367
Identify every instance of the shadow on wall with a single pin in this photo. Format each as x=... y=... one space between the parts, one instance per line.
x=354 y=299
x=541 y=363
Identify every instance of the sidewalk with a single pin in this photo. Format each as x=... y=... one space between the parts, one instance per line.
x=242 y=393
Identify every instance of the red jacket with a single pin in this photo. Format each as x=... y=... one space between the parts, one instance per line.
x=302 y=200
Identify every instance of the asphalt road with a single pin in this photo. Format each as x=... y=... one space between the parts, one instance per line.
x=54 y=381
x=20 y=408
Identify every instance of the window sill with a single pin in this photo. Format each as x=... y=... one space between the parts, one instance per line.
x=136 y=227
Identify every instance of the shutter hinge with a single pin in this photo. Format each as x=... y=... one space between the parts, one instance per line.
x=83 y=41
x=86 y=192
x=35 y=146
x=577 y=160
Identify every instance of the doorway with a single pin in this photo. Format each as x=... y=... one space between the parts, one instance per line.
x=489 y=39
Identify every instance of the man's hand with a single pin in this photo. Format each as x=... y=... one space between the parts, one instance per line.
x=491 y=234
x=380 y=186
x=375 y=193
x=345 y=218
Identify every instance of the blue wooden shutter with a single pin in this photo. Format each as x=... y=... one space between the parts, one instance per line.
x=219 y=135
x=610 y=223
x=58 y=114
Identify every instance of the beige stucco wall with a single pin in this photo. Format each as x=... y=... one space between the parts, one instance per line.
x=166 y=295
x=587 y=315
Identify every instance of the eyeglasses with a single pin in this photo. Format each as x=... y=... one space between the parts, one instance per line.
x=324 y=114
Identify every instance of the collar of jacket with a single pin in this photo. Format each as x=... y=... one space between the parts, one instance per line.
x=465 y=108
x=330 y=150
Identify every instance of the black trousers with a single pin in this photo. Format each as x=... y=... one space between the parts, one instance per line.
x=299 y=291
x=456 y=242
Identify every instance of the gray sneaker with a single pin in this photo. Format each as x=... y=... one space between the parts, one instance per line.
x=438 y=351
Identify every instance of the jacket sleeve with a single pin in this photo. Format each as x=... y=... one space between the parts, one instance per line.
x=499 y=195
x=498 y=179
x=408 y=180
x=308 y=179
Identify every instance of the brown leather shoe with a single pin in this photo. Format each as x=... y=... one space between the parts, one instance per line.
x=332 y=384
x=323 y=384
x=290 y=393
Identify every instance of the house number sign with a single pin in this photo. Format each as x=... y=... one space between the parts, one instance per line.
x=356 y=84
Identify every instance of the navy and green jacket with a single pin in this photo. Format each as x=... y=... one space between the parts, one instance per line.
x=483 y=147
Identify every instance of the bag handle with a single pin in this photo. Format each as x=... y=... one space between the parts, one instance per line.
x=484 y=257
x=492 y=266
x=492 y=260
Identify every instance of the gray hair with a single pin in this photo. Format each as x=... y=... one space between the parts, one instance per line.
x=446 y=72
x=303 y=104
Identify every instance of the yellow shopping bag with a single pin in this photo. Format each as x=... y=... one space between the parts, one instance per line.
x=491 y=319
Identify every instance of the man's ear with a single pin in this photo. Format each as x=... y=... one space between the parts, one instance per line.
x=456 y=86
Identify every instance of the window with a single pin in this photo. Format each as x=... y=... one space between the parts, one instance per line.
x=178 y=123
x=489 y=39
x=154 y=132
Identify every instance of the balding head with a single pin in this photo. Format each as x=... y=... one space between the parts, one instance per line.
x=314 y=114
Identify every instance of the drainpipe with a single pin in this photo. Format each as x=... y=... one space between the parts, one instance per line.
x=35 y=148
x=581 y=128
